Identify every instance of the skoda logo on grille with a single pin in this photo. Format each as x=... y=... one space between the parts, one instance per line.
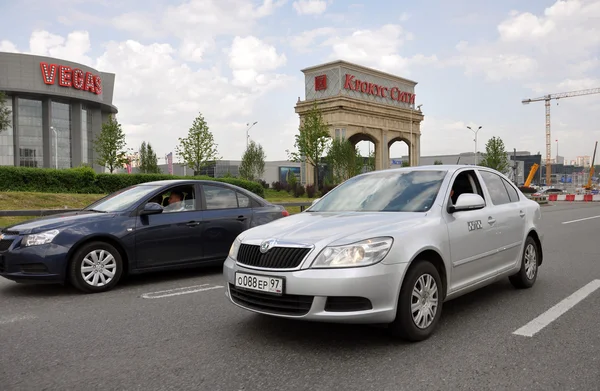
x=266 y=245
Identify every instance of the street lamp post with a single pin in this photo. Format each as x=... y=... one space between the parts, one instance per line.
x=411 y=147
x=248 y=130
x=55 y=146
x=475 y=131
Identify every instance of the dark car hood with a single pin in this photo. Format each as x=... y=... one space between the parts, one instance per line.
x=57 y=221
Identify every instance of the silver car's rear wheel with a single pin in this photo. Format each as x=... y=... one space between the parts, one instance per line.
x=95 y=267
x=530 y=262
x=419 y=303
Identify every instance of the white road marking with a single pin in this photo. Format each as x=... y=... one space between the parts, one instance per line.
x=584 y=219
x=531 y=328
x=180 y=291
x=16 y=318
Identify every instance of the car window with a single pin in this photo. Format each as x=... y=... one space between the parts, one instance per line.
x=123 y=199
x=512 y=192
x=218 y=197
x=496 y=188
x=385 y=191
x=465 y=182
x=177 y=199
x=243 y=201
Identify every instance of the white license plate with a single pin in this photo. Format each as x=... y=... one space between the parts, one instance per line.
x=259 y=283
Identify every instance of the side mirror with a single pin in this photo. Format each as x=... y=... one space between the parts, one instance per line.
x=151 y=208
x=467 y=201
x=315 y=201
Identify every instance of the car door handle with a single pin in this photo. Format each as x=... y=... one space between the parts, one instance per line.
x=241 y=218
x=491 y=220
x=521 y=213
x=193 y=223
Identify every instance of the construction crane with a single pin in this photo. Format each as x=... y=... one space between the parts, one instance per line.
x=547 y=99
x=531 y=174
x=589 y=182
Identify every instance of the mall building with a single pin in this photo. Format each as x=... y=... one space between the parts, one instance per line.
x=58 y=109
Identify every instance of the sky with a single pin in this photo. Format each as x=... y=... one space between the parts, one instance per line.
x=239 y=61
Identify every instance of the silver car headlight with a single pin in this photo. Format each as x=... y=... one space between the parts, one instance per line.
x=235 y=247
x=39 y=239
x=364 y=253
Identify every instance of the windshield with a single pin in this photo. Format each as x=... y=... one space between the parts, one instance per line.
x=123 y=199
x=394 y=191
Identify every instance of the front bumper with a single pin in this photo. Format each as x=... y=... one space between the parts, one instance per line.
x=38 y=264
x=353 y=295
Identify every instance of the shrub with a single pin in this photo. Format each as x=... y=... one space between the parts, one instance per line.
x=263 y=183
x=85 y=180
x=298 y=190
x=311 y=191
x=326 y=188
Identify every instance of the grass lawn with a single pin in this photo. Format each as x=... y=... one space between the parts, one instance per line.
x=25 y=200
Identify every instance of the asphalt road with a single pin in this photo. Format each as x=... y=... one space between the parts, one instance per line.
x=133 y=338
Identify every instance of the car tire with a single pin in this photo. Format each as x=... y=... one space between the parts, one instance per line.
x=405 y=326
x=95 y=267
x=528 y=272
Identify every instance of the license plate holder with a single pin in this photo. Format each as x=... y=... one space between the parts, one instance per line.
x=260 y=283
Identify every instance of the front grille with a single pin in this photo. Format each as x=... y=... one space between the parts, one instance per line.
x=10 y=233
x=275 y=258
x=5 y=244
x=34 y=268
x=283 y=305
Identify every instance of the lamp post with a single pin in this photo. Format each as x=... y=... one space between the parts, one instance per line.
x=411 y=147
x=53 y=129
x=475 y=131
x=248 y=130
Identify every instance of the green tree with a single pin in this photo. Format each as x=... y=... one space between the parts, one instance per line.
x=148 y=160
x=110 y=145
x=252 y=166
x=198 y=149
x=5 y=113
x=495 y=155
x=311 y=141
x=406 y=163
x=438 y=162
x=371 y=161
x=344 y=160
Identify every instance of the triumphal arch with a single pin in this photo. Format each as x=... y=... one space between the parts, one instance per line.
x=361 y=103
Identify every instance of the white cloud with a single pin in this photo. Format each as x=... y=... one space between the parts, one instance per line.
x=310 y=7
x=7 y=46
x=378 y=48
x=159 y=95
x=538 y=48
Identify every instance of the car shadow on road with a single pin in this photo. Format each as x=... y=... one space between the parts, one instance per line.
x=312 y=335
x=131 y=281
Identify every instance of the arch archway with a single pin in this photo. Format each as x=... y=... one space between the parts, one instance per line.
x=399 y=151
x=367 y=146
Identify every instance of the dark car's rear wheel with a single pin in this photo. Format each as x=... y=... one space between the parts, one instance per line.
x=420 y=303
x=96 y=267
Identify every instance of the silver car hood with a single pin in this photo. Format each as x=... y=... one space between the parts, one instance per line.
x=322 y=229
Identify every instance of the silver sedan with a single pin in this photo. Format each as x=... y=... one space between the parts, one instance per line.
x=389 y=247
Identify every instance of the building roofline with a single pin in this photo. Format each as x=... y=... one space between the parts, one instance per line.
x=359 y=68
x=105 y=107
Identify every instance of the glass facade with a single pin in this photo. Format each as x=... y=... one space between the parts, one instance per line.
x=7 y=142
x=31 y=141
x=60 y=135
x=87 y=148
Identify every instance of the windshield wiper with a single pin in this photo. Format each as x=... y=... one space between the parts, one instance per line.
x=96 y=210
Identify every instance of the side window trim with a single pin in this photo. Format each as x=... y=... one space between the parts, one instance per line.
x=510 y=186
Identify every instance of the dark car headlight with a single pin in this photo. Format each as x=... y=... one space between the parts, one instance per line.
x=39 y=238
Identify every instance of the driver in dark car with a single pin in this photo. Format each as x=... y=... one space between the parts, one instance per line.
x=175 y=202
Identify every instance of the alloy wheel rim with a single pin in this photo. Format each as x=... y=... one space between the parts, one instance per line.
x=424 y=301
x=98 y=268
x=530 y=261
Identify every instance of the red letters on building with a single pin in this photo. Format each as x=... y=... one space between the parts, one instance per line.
x=350 y=83
x=74 y=78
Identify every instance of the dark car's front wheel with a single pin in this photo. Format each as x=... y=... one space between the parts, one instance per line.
x=96 y=267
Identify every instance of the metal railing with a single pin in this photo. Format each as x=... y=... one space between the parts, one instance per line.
x=50 y=212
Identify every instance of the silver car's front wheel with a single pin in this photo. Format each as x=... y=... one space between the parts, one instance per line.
x=95 y=267
x=420 y=302
x=424 y=301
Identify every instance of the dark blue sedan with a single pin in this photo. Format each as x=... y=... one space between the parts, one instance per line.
x=148 y=227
